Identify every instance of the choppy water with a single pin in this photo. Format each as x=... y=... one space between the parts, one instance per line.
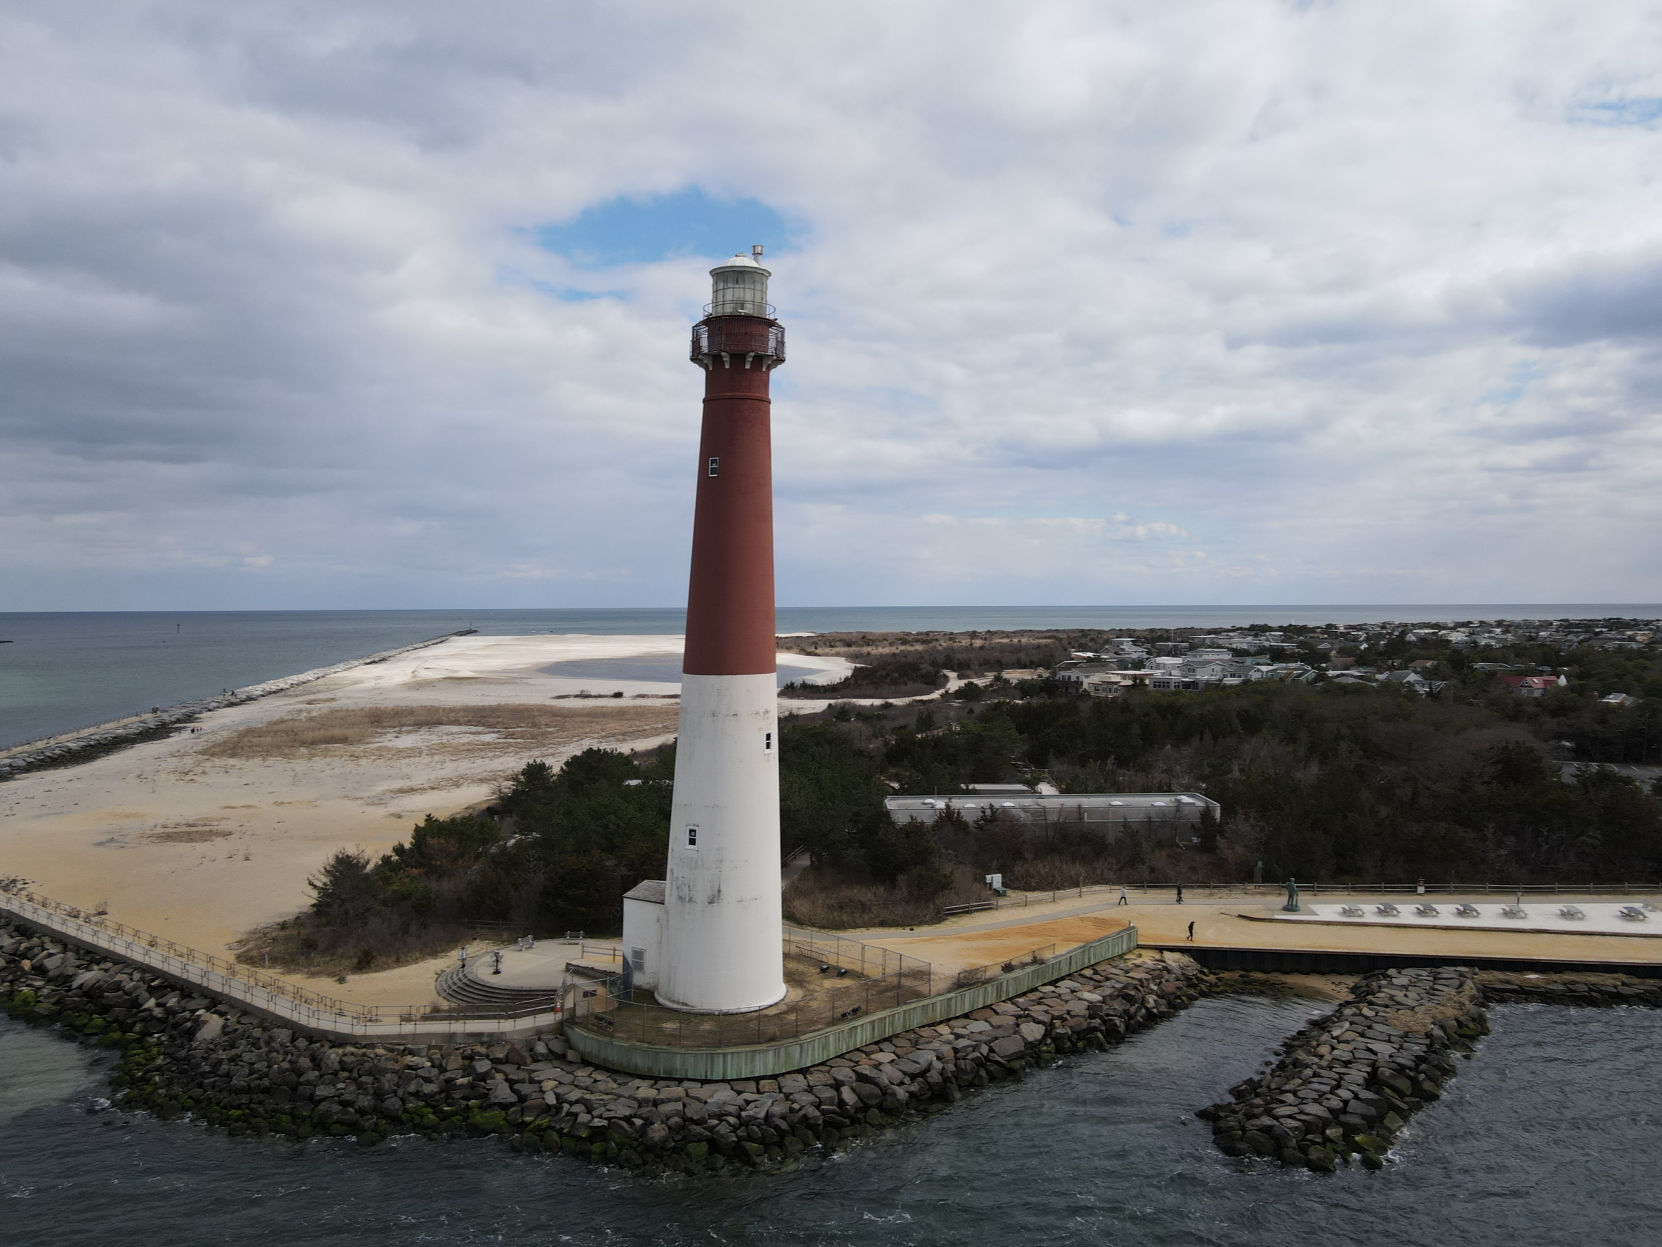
x=1549 y=1136
x=69 y=670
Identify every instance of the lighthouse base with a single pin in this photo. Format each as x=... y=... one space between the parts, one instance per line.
x=686 y=1008
x=723 y=934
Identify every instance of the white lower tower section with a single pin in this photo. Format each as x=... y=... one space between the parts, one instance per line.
x=723 y=949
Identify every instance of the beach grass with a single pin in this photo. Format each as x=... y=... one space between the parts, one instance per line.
x=533 y=726
x=841 y=900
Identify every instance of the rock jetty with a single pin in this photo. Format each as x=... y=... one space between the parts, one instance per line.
x=1592 y=991
x=1348 y=1082
x=184 y=1053
x=91 y=742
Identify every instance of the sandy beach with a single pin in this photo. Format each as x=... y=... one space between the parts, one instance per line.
x=204 y=835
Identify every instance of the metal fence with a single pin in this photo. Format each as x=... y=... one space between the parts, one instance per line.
x=1368 y=889
x=764 y=1060
x=1141 y=891
x=870 y=960
x=856 y=979
x=267 y=994
x=1021 y=900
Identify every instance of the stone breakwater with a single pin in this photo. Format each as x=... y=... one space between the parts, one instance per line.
x=1348 y=1082
x=72 y=747
x=183 y=1053
x=1599 y=991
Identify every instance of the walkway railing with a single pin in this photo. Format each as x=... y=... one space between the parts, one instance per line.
x=273 y=997
x=856 y=979
x=1368 y=889
x=1141 y=891
x=761 y=1060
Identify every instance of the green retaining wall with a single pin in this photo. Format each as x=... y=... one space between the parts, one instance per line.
x=766 y=1060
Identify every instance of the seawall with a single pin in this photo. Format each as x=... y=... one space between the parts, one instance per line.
x=1587 y=990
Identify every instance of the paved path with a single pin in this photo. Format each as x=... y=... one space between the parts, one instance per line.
x=1240 y=918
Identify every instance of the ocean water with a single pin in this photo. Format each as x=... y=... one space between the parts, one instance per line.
x=69 y=670
x=1548 y=1136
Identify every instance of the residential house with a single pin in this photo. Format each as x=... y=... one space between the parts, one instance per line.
x=1533 y=685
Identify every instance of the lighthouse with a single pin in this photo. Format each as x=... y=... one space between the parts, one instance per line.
x=715 y=946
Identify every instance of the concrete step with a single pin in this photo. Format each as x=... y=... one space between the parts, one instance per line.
x=464 y=988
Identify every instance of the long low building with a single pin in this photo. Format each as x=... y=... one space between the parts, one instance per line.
x=1152 y=813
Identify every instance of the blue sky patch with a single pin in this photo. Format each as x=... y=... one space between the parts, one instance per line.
x=642 y=230
x=1635 y=112
x=566 y=294
x=1518 y=379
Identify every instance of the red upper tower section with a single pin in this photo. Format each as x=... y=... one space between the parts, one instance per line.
x=730 y=627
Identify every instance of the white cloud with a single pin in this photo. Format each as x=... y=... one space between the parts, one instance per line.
x=1230 y=301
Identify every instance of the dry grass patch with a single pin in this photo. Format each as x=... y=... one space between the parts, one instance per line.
x=1332 y=987
x=528 y=727
x=199 y=831
x=840 y=900
x=303 y=945
x=1421 y=1018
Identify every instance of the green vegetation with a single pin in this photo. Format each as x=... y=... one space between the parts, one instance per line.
x=886 y=675
x=555 y=852
x=1330 y=783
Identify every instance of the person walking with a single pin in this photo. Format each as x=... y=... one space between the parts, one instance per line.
x=1191 y=933
x=1180 y=894
x=1122 y=900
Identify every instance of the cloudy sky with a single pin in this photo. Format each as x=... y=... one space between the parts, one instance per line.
x=386 y=304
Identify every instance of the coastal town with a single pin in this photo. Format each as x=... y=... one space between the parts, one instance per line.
x=1370 y=654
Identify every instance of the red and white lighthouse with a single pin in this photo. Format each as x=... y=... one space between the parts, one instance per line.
x=720 y=949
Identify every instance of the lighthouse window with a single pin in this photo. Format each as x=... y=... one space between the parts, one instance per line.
x=715 y=466
x=767 y=742
x=692 y=837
